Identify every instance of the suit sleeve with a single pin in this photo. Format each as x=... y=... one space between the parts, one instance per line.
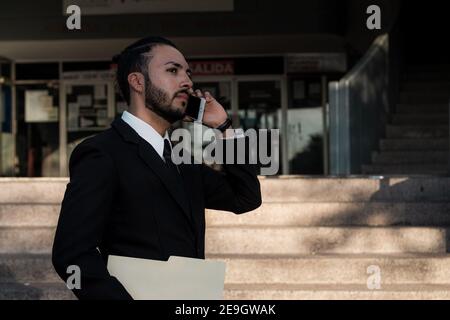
x=84 y=213
x=236 y=189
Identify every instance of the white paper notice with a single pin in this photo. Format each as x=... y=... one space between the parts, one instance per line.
x=85 y=100
x=39 y=107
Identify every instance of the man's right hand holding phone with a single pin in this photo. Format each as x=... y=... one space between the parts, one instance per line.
x=214 y=115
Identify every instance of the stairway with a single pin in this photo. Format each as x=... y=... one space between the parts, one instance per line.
x=311 y=239
x=417 y=137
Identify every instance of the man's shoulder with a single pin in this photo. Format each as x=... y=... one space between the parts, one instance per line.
x=106 y=142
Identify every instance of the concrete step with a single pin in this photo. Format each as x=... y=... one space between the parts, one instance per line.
x=271 y=240
x=33 y=240
x=309 y=214
x=27 y=268
x=271 y=269
x=374 y=212
x=411 y=157
x=274 y=189
x=355 y=189
x=29 y=215
x=58 y=291
x=335 y=269
x=414 y=108
x=32 y=190
x=324 y=240
x=335 y=292
x=35 y=291
x=416 y=132
x=428 y=169
x=424 y=97
x=414 y=144
x=420 y=119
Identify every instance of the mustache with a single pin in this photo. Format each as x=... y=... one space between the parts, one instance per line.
x=186 y=91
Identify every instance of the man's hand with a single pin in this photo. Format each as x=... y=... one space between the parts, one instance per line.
x=214 y=114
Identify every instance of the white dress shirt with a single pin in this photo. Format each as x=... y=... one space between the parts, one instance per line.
x=146 y=132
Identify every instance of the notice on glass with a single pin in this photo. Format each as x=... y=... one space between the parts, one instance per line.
x=39 y=107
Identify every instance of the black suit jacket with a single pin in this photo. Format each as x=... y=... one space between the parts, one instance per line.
x=122 y=200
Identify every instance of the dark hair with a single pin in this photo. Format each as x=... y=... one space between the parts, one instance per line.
x=133 y=59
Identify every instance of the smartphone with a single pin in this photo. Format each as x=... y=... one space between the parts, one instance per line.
x=195 y=108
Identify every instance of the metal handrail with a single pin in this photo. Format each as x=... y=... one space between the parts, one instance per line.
x=358 y=104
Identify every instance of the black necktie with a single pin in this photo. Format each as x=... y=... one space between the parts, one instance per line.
x=173 y=168
x=167 y=154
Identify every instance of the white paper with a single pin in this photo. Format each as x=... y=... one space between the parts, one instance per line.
x=85 y=100
x=39 y=107
x=177 y=279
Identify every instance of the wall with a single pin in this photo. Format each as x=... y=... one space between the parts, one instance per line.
x=29 y=19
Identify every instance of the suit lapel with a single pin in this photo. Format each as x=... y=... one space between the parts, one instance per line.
x=155 y=163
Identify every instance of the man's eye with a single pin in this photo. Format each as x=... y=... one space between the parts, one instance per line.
x=173 y=70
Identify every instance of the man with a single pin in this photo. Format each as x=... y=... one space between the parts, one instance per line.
x=125 y=196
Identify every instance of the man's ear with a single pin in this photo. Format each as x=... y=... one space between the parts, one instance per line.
x=137 y=82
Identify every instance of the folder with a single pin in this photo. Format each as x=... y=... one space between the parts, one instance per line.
x=179 y=278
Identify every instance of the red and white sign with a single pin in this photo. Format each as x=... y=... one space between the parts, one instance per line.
x=212 y=67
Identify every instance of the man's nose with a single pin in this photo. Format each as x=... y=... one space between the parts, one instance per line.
x=187 y=83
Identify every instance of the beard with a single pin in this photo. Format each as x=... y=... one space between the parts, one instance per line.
x=160 y=102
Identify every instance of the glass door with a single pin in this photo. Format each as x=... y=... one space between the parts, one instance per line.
x=260 y=107
x=306 y=138
x=37 y=138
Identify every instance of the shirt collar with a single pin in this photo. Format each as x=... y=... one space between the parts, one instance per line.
x=146 y=132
